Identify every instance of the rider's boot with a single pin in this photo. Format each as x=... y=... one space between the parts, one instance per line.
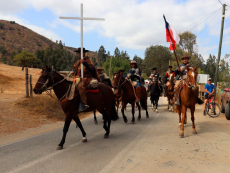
x=82 y=91
x=199 y=101
x=177 y=99
x=138 y=94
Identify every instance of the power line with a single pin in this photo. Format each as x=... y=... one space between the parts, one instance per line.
x=206 y=25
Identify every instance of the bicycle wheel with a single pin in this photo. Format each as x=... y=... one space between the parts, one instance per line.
x=213 y=110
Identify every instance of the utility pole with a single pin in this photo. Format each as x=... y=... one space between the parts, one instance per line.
x=220 y=45
x=110 y=66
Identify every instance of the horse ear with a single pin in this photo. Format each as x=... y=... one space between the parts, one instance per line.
x=195 y=68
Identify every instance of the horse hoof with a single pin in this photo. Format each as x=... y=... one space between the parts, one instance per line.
x=147 y=116
x=194 y=132
x=139 y=119
x=132 y=122
x=59 y=147
x=181 y=135
x=103 y=121
x=106 y=136
x=84 y=140
x=76 y=126
x=95 y=122
x=156 y=111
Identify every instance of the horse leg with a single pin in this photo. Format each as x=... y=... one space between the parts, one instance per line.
x=179 y=113
x=157 y=104
x=65 y=130
x=193 y=121
x=78 y=122
x=123 y=112
x=107 y=128
x=133 y=112
x=173 y=101
x=185 y=119
x=95 y=118
x=183 y=110
x=139 y=109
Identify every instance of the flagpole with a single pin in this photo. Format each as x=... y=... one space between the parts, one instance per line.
x=173 y=46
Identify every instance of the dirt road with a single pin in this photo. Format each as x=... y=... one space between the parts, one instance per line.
x=150 y=145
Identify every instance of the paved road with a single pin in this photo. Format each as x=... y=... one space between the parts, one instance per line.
x=150 y=145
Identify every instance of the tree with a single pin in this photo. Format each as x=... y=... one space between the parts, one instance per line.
x=210 y=66
x=117 y=52
x=124 y=55
x=117 y=63
x=101 y=55
x=157 y=56
x=187 y=41
x=25 y=59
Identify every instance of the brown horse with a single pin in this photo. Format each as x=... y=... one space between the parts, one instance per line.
x=103 y=101
x=170 y=91
x=188 y=99
x=128 y=96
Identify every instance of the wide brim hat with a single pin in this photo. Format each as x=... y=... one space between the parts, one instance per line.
x=170 y=66
x=185 y=57
x=154 y=68
x=79 y=50
x=100 y=68
x=209 y=79
x=133 y=62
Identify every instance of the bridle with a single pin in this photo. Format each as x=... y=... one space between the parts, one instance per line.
x=188 y=84
x=119 y=81
x=46 y=89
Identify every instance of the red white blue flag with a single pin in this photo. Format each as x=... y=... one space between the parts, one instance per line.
x=171 y=36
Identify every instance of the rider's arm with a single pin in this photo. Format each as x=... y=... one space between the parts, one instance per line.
x=89 y=67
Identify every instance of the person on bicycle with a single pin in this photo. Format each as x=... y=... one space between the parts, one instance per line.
x=209 y=91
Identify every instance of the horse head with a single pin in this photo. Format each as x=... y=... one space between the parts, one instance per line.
x=171 y=77
x=192 y=74
x=118 y=79
x=45 y=81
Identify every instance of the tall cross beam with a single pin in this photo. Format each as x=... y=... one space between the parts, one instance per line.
x=82 y=18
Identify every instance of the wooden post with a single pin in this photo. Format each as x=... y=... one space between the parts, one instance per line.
x=31 y=89
x=26 y=81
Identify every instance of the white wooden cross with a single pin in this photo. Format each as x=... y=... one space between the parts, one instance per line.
x=82 y=18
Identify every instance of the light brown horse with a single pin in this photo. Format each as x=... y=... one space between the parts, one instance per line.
x=188 y=99
x=103 y=101
x=170 y=91
x=128 y=96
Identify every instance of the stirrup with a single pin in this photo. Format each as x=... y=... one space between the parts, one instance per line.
x=82 y=107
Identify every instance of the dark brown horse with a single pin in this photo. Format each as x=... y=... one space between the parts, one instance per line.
x=188 y=99
x=170 y=91
x=103 y=101
x=128 y=96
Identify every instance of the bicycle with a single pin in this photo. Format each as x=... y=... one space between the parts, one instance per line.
x=212 y=108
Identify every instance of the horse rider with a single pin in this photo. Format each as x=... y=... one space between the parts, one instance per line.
x=183 y=71
x=90 y=75
x=167 y=75
x=154 y=77
x=103 y=76
x=135 y=75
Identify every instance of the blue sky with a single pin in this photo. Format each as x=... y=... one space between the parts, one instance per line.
x=131 y=25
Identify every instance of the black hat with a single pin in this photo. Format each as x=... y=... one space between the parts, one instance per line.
x=170 y=66
x=79 y=50
x=154 y=68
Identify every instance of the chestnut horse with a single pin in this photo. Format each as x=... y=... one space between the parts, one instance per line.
x=128 y=96
x=188 y=99
x=170 y=91
x=103 y=101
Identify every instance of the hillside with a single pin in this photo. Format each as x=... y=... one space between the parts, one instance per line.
x=14 y=36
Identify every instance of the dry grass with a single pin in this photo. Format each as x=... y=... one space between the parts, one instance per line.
x=43 y=105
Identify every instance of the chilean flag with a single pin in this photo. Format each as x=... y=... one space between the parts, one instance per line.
x=171 y=36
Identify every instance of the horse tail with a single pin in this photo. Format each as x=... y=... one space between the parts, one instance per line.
x=114 y=115
x=143 y=100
